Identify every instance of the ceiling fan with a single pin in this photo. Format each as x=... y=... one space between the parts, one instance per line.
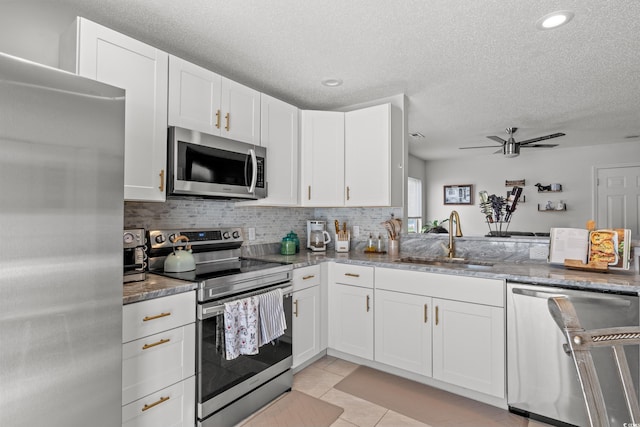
x=511 y=147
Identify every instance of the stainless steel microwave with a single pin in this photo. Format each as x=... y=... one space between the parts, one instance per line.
x=203 y=165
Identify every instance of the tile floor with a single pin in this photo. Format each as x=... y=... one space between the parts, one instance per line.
x=319 y=379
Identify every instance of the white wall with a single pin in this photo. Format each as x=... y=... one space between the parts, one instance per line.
x=573 y=168
x=31 y=30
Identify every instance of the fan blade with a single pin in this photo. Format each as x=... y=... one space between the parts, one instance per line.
x=481 y=146
x=497 y=139
x=539 y=145
x=542 y=138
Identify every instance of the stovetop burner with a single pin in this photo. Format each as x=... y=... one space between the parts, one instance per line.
x=217 y=269
x=220 y=270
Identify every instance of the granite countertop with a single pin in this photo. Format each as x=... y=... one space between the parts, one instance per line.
x=154 y=287
x=536 y=273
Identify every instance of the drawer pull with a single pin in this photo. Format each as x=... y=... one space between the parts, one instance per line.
x=426 y=318
x=436 y=315
x=159 y=401
x=351 y=275
x=296 y=309
x=162 y=341
x=367 y=303
x=157 y=316
x=308 y=277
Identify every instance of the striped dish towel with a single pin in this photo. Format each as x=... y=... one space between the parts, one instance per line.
x=271 y=318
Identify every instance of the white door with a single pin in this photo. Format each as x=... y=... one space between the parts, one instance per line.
x=194 y=97
x=403 y=331
x=240 y=106
x=468 y=346
x=306 y=324
x=351 y=320
x=322 y=158
x=367 y=162
x=618 y=197
x=113 y=58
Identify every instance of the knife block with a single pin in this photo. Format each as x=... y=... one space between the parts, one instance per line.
x=342 y=241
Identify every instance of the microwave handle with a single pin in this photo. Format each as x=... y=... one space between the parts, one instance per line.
x=254 y=176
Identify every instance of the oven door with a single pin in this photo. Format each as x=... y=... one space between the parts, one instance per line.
x=210 y=166
x=221 y=381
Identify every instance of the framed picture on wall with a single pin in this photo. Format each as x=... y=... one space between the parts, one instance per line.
x=458 y=194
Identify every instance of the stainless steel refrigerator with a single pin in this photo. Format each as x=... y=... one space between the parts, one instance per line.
x=61 y=222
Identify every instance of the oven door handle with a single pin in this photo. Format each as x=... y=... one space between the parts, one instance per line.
x=205 y=312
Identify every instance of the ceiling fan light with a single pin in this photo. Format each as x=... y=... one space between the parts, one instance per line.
x=511 y=150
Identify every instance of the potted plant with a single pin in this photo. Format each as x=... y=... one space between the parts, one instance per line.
x=435 y=226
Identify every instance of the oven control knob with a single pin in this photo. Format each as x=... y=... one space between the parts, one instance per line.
x=236 y=234
x=226 y=235
x=160 y=238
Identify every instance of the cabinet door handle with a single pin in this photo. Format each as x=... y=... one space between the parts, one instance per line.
x=351 y=275
x=161 y=187
x=162 y=341
x=218 y=119
x=437 y=319
x=159 y=401
x=157 y=316
x=295 y=311
x=308 y=277
x=426 y=318
x=226 y=117
x=348 y=193
x=367 y=303
x=309 y=195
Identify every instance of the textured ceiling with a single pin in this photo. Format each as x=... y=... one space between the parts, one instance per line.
x=468 y=68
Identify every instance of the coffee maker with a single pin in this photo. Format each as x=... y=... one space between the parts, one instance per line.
x=317 y=235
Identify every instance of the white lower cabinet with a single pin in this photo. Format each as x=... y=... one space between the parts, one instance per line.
x=306 y=324
x=306 y=313
x=451 y=328
x=351 y=307
x=468 y=346
x=403 y=331
x=173 y=406
x=158 y=362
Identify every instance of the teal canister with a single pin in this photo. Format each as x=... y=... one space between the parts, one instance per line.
x=288 y=246
x=293 y=236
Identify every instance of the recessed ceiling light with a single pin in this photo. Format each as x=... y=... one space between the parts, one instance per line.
x=554 y=20
x=332 y=82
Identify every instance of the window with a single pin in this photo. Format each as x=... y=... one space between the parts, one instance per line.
x=414 y=205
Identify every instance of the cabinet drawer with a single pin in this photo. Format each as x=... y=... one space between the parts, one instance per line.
x=157 y=361
x=306 y=277
x=173 y=406
x=478 y=290
x=150 y=317
x=356 y=275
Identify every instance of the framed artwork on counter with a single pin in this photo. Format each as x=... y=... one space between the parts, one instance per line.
x=458 y=194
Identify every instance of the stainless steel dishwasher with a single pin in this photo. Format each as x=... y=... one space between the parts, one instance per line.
x=542 y=379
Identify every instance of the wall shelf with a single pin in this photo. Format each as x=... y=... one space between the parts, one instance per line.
x=552 y=210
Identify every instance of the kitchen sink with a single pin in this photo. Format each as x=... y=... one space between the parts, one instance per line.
x=447 y=262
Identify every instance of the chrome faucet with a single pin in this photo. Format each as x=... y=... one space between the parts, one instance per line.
x=451 y=250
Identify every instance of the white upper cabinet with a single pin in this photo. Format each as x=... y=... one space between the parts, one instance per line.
x=322 y=158
x=279 y=135
x=204 y=101
x=352 y=159
x=367 y=157
x=96 y=52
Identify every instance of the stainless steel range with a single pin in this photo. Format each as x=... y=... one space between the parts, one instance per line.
x=229 y=390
